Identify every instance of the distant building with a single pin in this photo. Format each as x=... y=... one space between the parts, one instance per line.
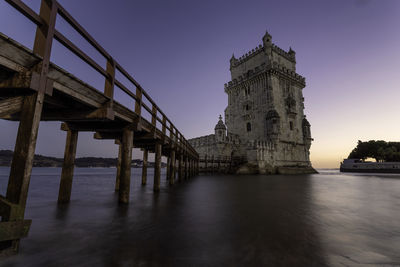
x=265 y=122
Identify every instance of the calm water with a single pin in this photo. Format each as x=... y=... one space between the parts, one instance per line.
x=326 y=219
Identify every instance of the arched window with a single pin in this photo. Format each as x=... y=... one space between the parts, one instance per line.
x=248 y=126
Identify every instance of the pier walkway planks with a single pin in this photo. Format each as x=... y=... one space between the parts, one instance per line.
x=32 y=89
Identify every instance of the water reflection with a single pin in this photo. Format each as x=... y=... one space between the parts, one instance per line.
x=327 y=219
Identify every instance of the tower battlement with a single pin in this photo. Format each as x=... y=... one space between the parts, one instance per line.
x=280 y=69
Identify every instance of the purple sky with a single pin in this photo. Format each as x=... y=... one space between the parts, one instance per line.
x=179 y=51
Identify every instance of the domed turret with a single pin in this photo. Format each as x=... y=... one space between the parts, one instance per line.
x=220 y=130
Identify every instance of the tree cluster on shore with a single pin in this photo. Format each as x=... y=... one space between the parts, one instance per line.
x=380 y=150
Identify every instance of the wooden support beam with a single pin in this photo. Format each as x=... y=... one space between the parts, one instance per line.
x=67 y=173
x=24 y=150
x=95 y=126
x=10 y=106
x=107 y=135
x=126 y=159
x=168 y=173
x=172 y=168
x=21 y=166
x=144 y=167
x=118 y=177
x=180 y=169
x=157 y=167
x=14 y=229
x=67 y=114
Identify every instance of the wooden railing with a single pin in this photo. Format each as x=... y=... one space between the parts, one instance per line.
x=157 y=115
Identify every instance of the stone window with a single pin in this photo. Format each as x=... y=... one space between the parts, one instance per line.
x=247 y=107
x=291 y=125
x=248 y=126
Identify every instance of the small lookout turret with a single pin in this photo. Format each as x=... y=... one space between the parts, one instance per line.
x=233 y=60
x=267 y=39
x=220 y=130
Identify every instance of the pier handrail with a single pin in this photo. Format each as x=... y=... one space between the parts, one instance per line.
x=176 y=137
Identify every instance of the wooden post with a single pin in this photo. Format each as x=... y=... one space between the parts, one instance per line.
x=13 y=206
x=67 y=173
x=167 y=174
x=186 y=167
x=126 y=160
x=157 y=167
x=180 y=170
x=172 y=168
x=117 y=179
x=144 y=168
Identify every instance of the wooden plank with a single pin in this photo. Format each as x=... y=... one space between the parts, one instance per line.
x=14 y=230
x=10 y=106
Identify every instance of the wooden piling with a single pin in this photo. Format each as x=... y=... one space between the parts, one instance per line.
x=157 y=167
x=126 y=160
x=118 y=177
x=172 y=168
x=180 y=168
x=144 y=167
x=186 y=167
x=67 y=173
x=167 y=174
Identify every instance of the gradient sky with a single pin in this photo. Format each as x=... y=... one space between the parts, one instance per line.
x=179 y=51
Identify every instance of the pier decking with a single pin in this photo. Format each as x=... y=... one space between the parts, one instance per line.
x=32 y=89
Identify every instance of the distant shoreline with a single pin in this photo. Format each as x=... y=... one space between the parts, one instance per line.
x=83 y=162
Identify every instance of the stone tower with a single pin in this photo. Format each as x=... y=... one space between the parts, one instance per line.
x=265 y=112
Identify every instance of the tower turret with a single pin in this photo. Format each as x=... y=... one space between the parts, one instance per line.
x=292 y=54
x=233 y=61
x=267 y=39
x=220 y=131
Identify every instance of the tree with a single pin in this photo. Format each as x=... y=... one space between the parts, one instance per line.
x=379 y=150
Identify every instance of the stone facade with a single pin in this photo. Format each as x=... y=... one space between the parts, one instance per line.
x=265 y=121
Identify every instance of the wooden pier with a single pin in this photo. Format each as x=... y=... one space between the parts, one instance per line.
x=32 y=89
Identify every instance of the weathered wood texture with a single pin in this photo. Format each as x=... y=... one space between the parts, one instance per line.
x=144 y=166
x=64 y=193
x=32 y=89
x=126 y=159
x=157 y=167
x=118 y=177
x=172 y=168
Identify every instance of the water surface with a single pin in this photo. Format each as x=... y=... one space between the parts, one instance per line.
x=326 y=219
